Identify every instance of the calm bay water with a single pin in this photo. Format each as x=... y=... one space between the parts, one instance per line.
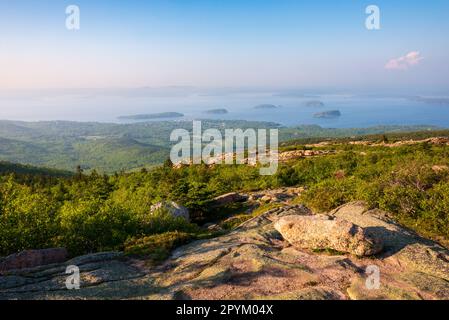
x=356 y=111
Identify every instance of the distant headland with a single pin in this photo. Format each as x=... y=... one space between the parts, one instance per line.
x=266 y=106
x=314 y=103
x=151 y=116
x=438 y=101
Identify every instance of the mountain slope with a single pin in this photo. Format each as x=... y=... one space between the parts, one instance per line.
x=9 y=167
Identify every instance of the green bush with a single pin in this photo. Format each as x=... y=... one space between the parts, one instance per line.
x=161 y=221
x=435 y=216
x=27 y=219
x=89 y=226
x=330 y=193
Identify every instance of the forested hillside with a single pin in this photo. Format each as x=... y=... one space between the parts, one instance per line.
x=95 y=212
x=108 y=147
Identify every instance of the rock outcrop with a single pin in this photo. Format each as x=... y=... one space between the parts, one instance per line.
x=283 y=195
x=33 y=258
x=229 y=198
x=440 y=141
x=255 y=262
x=172 y=208
x=325 y=232
x=296 y=154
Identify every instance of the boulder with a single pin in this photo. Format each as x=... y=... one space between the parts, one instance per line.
x=172 y=208
x=229 y=198
x=440 y=168
x=33 y=258
x=266 y=198
x=325 y=232
x=309 y=153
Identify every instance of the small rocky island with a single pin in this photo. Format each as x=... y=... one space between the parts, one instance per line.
x=151 y=116
x=331 y=114
x=217 y=111
x=266 y=106
x=314 y=103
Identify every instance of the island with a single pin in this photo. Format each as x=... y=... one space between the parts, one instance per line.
x=217 y=111
x=266 y=106
x=314 y=103
x=151 y=116
x=328 y=114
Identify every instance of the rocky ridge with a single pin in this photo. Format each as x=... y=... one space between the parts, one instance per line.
x=254 y=261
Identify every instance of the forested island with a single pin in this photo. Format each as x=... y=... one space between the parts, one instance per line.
x=217 y=111
x=328 y=114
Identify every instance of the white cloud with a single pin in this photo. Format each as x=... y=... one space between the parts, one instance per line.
x=403 y=63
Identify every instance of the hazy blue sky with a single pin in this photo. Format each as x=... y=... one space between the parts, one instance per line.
x=217 y=43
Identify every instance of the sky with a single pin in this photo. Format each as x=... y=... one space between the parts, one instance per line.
x=232 y=43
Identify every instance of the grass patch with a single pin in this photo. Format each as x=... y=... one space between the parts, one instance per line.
x=234 y=222
x=157 y=248
x=265 y=207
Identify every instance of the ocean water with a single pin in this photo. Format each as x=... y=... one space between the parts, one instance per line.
x=356 y=111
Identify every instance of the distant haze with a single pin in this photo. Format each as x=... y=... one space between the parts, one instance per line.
x=133 y=57
x=224 y=43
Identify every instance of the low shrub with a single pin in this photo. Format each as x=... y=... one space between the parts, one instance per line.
x=330 y=193
x=156 y=248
